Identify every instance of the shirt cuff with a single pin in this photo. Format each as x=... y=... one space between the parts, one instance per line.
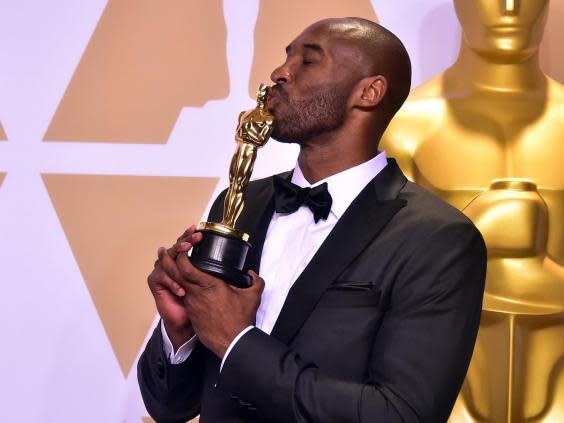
x=244 y=331
x=183 y=351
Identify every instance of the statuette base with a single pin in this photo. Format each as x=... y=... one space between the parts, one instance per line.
x=222 y=255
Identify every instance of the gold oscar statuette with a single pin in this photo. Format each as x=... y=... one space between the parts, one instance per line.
x=223 y=249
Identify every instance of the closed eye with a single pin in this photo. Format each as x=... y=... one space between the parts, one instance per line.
x=308 y=62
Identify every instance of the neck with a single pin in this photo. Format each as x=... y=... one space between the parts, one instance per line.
x=329 y=154
x=475 y=74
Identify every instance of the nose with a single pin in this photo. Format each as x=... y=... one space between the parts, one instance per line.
x=510 y=7
x=281 y=75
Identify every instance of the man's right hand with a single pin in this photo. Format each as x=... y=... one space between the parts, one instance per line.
x=168 y=293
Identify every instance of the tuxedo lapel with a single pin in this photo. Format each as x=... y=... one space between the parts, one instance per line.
x=367 y=215
x=255 y=219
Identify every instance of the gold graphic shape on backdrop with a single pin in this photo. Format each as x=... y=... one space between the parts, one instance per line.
x=2 y=175
x=290 y=18
x=2 y=133
x=114 y=225
x=551 y=57
x=145 y=61
x=486 y=136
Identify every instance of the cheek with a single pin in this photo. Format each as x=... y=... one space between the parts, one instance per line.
x=534 y=15
x=475 y=19
x=468 y=13
x=309 y=82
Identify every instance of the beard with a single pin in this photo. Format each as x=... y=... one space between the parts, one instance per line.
x=302 y=120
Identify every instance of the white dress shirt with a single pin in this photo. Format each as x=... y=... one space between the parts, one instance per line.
x=291 y=242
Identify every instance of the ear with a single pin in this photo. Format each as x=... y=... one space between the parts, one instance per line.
x=372 y=91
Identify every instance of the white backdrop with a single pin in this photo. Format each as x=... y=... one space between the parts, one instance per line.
x=68 y=349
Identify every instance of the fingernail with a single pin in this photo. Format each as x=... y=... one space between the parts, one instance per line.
x=181 y=292
x=161 y=250
x=185 y=245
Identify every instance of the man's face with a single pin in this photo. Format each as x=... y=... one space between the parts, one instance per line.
x=504 y=30
x=312 y=86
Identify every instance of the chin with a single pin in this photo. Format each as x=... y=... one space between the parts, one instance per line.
x=284 y=131
x=507 y=49
x=284 y=138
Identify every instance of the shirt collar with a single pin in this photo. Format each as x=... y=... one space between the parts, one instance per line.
x=346 y=185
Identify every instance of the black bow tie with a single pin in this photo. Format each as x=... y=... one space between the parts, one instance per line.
x=289 y=197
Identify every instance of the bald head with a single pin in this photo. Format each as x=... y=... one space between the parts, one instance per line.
x=341 y=77
x=380 y=53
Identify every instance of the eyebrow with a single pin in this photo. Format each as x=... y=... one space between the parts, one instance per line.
x=315 y=47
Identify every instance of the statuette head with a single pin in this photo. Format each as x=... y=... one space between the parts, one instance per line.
x=503 y=30
x=262 y=95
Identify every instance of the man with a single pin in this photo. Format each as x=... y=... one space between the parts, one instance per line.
x=364 y=312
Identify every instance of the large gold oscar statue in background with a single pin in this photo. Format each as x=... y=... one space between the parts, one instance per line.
x=487 y=135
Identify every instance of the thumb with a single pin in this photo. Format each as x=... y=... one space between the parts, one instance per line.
x=258 y=282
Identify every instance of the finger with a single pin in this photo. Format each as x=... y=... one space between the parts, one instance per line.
x=168 y=265
x=192 y=274
x=188 y=243
x=257 y=282
x=186 y=236
x=172 y=253
x=188 y=232
x=158 y=280
x=192 y=235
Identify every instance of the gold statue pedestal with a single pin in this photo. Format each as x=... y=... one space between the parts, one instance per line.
x=223 y=249
x=222 y=253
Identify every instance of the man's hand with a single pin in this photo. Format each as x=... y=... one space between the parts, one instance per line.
x=168 y=293
x=218 y=311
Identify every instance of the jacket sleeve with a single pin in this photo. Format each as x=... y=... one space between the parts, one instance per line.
x=172 y=392
x=419 y=357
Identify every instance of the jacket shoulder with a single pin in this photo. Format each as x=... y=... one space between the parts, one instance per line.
x=425 y=212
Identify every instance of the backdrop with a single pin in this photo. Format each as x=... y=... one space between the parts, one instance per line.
x=117 y=120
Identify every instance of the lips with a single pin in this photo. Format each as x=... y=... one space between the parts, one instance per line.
x=275 y=96
x=271 y=101
x=507 y=29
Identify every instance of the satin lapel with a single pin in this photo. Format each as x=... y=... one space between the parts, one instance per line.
x=364 y=219
x=255 y=220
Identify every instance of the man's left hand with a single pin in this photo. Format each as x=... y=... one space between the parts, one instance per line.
x=218 y=311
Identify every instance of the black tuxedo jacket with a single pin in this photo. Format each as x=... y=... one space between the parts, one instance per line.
x=379 y=327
